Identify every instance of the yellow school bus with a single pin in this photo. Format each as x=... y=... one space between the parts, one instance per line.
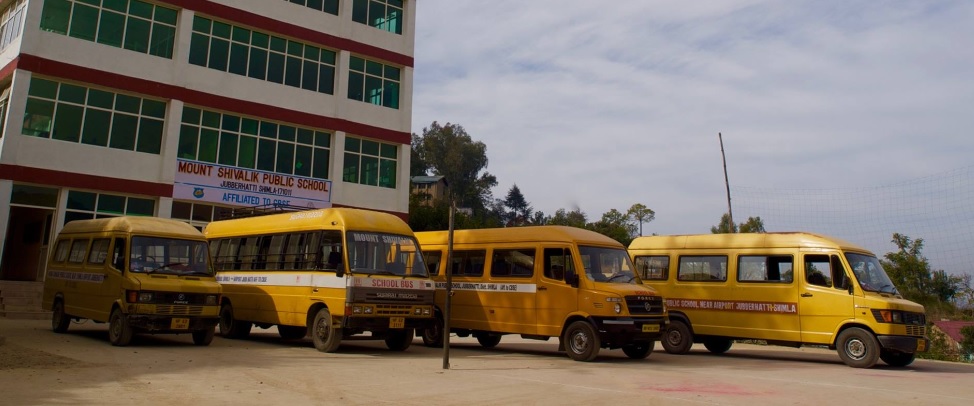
x=542 y=282
x=789 y=289
x=139 y=274
x=334 y=273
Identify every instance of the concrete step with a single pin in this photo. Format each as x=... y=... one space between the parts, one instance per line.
x=26 y=315
x=20 y=301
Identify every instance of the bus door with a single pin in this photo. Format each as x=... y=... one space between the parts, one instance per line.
x=824 y=301
x=555 y=297
x=510 y=297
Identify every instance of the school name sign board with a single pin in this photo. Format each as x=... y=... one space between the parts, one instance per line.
x=208 y=182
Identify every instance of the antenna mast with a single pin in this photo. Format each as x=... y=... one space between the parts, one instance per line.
x=730 y=213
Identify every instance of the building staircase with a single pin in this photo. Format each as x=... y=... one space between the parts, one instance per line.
x=22 y=300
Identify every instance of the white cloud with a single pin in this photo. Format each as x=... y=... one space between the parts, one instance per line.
x=606 y=104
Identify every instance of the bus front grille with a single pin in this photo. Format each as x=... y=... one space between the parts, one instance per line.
x=177 y=310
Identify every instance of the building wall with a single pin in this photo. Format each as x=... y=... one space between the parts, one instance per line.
x=74 y=166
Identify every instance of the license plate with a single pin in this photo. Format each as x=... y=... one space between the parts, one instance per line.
x=651 y=328
x=397 y=322
x=921 y=345
x=179 y=323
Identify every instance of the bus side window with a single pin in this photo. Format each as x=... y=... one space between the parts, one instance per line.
x=818 y=270
x=554 y=263
x=839 y=278
x=653 y=268
x=118 y=254
x=433 y=261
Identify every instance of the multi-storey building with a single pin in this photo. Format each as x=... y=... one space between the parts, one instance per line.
x=187 y=108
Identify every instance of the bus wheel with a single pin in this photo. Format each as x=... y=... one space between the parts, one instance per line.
x=581 y=341
x=718 y=345
x=325 y=335
x=204 y=337
x=638 y=350
x=897 y=359
x=857 y=348
x=488 y=340
x=230 y=327
x=59 y=319
x=677 y=339
x=400 y=339
x=292 y=332
x=433 y=336
x=119 y=331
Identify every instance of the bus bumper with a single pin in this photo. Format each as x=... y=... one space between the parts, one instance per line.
x=905 y=344
x=386 y=323
x=616 y=332
x=165 y=324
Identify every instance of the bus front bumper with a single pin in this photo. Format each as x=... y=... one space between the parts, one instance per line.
x=616 y=332
x=905 y=344
x=170 y=324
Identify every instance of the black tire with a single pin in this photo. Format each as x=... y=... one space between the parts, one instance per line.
x=204 y=337
x=677 y=339
x=119 y=331
x=897 y=359
x=582 y=342
x=718 y=345
x=231 y=327
x=488 y=340
x=292 y=332
x=325 y=335
x=638 y=350
x=858 y=348
x=59 y=319
x=400 y=339
x=433 y=336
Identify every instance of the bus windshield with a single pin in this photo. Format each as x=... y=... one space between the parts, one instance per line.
x=870 y=274
x=384 y=254
x=608 y=265
x=169 y=256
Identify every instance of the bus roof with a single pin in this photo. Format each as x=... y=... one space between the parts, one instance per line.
x=744 y=240
x=309 y=220
x=518 y=234
x=134 y=225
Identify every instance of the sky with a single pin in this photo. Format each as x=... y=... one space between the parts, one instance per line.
x=600 y=105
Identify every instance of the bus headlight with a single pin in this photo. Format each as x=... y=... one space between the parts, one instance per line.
x=617 y=308
x=135 y=296
x=212 y=300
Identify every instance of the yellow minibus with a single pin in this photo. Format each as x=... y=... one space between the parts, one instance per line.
x=542 y=282
x=334 y=273
x=139 y=274
x=790 y=289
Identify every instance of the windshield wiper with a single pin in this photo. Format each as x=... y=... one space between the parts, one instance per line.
x=618 y=275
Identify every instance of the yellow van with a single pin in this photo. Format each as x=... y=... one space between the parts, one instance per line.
x=334 y=274
x=139 y=274
x=789 y=289
x=542 y=282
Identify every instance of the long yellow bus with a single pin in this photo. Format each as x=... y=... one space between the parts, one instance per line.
x=542 y=282
x=334 y=273
x=790 y=289
x=138 y=274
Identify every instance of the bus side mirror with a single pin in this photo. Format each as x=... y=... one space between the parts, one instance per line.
x=571 y=277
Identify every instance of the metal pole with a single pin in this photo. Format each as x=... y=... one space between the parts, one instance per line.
x=449 y=290
x=730 y=213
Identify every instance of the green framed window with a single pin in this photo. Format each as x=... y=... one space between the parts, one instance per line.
x=245 y=142
x=72 y=113
x=386 y=15
x=373 y=82
x=90 y=205
x=241 y=51
x=370 y=162
x=130 y=24
x=328 y=6
x=12 y=22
